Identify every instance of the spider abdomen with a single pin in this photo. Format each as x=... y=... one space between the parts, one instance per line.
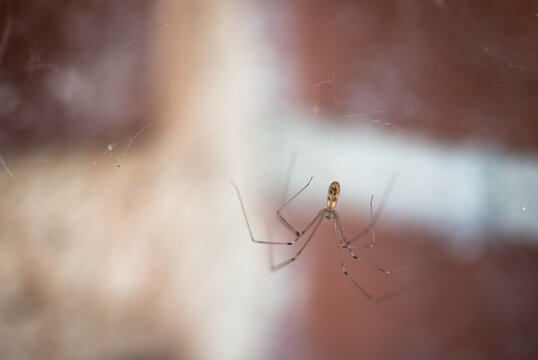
x=332 y=195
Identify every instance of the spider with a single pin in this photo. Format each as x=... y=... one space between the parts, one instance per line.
x=329 y=213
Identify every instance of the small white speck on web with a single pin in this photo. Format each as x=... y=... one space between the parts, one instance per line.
x=120 y=159
x=523 y=209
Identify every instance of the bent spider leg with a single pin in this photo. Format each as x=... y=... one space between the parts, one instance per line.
x=412 y=284
x=377 y=300
x=291 y=166
x=286 y=224
x=343 y=242
x=248 y=224
x=388 y=272
x=392 y=272
x=375 y=217
x=281 y=218
x=349 y=277
x=319 y=219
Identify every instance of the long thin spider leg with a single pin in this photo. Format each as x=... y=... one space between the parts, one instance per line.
x=388 y=272
x=299 y=234
x=248 y=224
x=281 y=218
x=375 y=217
x=291 y=166
x=411 y=284
x=344 y=270
x=340 y=235
x=392 y=294
x=319 y=219
x=344 y=244
x=380 y=299
x=388 y=296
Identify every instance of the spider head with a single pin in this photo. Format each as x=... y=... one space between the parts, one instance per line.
x=332 y=195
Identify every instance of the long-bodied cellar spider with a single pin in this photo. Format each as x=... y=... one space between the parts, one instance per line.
x=329 y=213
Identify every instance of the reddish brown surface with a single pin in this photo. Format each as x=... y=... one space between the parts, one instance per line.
x=457 y=71
x=481 y=308
x=72 y=72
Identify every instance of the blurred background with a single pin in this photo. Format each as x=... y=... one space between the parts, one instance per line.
x=123 y=122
